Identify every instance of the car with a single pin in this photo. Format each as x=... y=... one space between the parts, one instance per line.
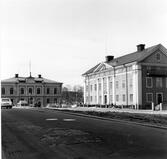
x=6 y=103
x=22 y=103
x=53 y=105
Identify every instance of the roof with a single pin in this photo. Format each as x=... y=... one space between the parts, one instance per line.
x=129 y=58
x=28 y=80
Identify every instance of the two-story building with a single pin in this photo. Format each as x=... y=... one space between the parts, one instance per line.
x=137 y=79
x=34 y=90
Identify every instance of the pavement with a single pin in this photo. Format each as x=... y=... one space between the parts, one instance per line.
x=112 y=110
x=96 y=109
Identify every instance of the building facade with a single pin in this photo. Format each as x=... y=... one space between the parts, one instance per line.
x=34 y=90
x=137 y=79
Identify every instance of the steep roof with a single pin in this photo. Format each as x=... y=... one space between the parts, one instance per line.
x=137 y=56
x=28 y=80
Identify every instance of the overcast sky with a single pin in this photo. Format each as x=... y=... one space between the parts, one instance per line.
x=64 y=38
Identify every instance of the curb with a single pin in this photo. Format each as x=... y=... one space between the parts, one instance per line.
x=104 y=118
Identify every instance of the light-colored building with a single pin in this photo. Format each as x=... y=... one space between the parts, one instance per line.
x=137 y=79
x=34 y=90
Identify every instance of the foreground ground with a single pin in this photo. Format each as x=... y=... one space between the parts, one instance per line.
x=144 y=117
x=48 y=134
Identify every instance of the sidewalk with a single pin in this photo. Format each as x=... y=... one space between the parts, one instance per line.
x=164 y=112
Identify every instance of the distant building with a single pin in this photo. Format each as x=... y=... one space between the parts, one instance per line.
x=137 y=79
x=35 y=90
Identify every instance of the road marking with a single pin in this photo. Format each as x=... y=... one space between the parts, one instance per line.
x=52 y=119
x=68 y=119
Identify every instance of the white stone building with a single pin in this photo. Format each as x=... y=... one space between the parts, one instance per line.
x=137 y=79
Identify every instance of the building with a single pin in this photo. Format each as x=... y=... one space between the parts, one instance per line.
x=35 y=90
x=137 y=79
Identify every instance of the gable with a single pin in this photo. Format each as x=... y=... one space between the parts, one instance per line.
x=156 y=57
x=102 y=67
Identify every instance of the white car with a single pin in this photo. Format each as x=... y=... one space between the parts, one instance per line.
x=53 y=105
x=22 y=103
x=6 y=103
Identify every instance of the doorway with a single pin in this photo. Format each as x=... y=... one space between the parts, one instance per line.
x=105 y=99
x=159 y=98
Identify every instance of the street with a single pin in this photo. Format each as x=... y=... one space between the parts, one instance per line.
x=49 y=134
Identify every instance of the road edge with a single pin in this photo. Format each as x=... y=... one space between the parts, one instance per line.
x=105 y=118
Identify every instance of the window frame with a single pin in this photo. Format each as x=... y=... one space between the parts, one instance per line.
x=160 y=85
x=123 y=97
x=147 y=94
x=3 y=91
x=55 y=90
x=147 y=86
x=38 y=90
x=11 y=91
x=47 y=90
x=117 y=98
x=22 y=90
x=131 y=99
x=158 y=56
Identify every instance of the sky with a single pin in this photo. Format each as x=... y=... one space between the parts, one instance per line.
x=62 y=39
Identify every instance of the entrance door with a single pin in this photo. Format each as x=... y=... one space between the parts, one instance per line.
x=31 y=101
x=159 y=97
x=105 y=99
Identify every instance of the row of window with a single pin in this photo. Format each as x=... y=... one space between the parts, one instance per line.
x=110 y=85
x=149 y=97
x=30 y=91
x=158 y=82
x=118 y=98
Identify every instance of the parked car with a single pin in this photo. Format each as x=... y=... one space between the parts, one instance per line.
x=22 y=103
x=6 y=103
x=53 y=105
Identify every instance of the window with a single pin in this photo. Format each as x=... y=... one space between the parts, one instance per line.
x=123 y=97
x=131 y=83
x=22 y=91
x=91 y=98
x=131 y=97
x=158 y=56
x=158 y=82
x=86 y=88
x=117 y=84
x=55 y=90
x=48 y=100
x=110 y=85
x=123 y=84
x=38 y=91
x=95 y=87
x=95 y=98
x=11 y=90
x=47 y=90
x=91 y=88
x=149 y=97
x=87 y=99
x=99 y=86
x=3 y=90
x=149 y=82
x=100 y=99
x=117 y=98
x=111 y=98
x=29 y=90
x=55 y=100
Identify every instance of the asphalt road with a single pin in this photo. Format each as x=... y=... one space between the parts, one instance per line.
x=50 y=134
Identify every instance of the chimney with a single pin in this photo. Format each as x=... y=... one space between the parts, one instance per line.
x=39 y=76
x=16 y=75
x=109 y=58
x=140 y=47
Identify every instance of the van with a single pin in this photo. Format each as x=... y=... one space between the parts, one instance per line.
x=6 y=103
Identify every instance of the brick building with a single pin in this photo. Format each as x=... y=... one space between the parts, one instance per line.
x=137 y=79
x=35 y=90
